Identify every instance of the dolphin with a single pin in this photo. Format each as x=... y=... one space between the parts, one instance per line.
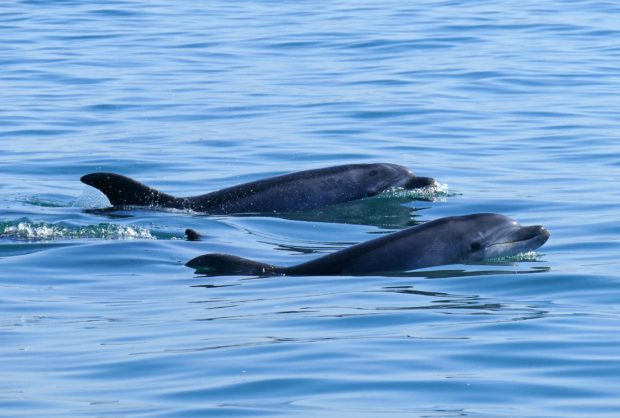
x=451 y=240
x=298 y=191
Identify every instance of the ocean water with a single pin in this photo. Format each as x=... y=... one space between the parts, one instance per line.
x=514 y=106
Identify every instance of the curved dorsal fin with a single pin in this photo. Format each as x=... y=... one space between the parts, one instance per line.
x=123 y=191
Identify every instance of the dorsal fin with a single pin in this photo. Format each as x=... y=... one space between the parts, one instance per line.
x=123 y=191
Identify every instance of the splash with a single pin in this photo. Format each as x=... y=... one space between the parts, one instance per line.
x=92 y=198
x=528 y=256
x=24 y=229
x=435 y=193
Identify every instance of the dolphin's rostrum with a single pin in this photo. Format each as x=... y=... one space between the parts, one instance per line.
x=451 y=240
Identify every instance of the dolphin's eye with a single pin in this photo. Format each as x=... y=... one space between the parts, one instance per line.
x=475 y=246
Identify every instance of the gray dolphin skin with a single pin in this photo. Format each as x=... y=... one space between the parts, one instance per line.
x=302 y=190
x=451 y=240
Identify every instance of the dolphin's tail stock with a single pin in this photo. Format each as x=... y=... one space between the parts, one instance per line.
x=216 y=264
x=123 y=191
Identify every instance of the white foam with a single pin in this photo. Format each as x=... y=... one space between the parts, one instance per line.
x=436 y=193
x=527 y=256
x=25 y=230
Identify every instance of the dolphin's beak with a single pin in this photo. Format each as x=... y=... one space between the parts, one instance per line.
x=519 y=240
x=419 y=182
x=534 y=234
x=542 y=233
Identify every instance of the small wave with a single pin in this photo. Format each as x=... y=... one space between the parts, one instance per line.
x=34 y=231
x=45 y=201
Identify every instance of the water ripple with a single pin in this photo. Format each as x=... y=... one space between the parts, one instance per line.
x=514 y=105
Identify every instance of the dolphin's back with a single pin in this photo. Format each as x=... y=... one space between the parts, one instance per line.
x=302 y=190
x=408 y=249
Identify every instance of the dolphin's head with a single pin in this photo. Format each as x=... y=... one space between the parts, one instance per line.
x=485 y=236
x=383 y=176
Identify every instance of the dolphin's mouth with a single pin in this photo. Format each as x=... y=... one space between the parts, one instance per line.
x=418 y=182
x=519 y=240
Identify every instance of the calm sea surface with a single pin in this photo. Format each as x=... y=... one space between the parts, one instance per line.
x=515 y=106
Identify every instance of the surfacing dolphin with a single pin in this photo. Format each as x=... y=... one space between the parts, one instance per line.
x=302 y=190
x=451 y=240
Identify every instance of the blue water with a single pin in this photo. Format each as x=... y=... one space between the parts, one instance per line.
x=515 y=106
